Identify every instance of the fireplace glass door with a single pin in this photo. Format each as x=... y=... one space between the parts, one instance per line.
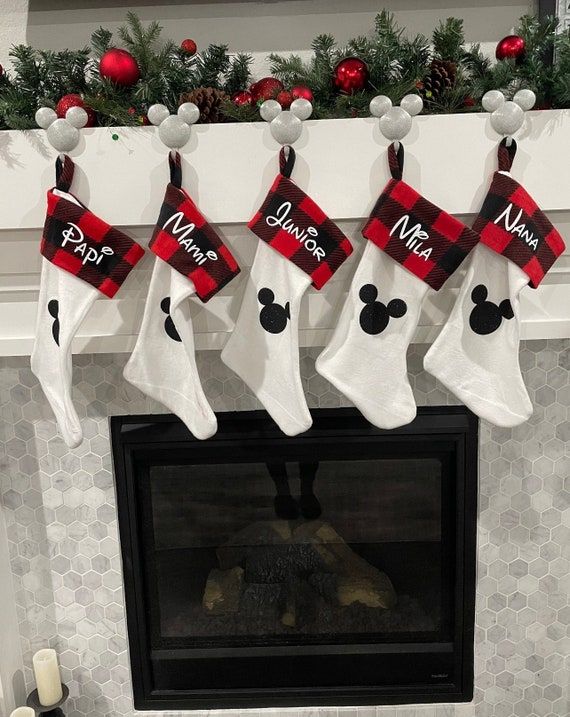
x=268 y=570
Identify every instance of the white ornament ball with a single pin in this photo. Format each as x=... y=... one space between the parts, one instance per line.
x=157 y=114
x=189 y=112
x=269 y=110
x=379 y=105
x=525 y=99
x=507 y=119
x=45 y=116
x=492 y=100
x=174 y=132
x=395 y=124
x=77 y=117
x=62 y=136
x=301 y=108
x=412 y=104
x=286 y=128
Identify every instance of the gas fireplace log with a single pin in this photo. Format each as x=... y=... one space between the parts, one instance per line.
x=257 y=535
x=223 y=591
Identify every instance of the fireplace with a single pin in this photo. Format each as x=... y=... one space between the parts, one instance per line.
x=336 y=567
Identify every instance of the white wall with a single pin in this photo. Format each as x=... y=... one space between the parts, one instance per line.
x=266 y=26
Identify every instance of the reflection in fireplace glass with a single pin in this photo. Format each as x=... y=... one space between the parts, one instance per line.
x=310 y=552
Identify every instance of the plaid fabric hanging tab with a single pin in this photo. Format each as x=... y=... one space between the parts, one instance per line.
x=420 y=236
x=184 y=239
x=511 y=223
x=76 y=240
x=295 y=226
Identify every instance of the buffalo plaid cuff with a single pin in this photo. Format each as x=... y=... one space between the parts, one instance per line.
x=511 y=224
x=292 y=224
x=424 y=239
x=185 y=240
x=75 y=240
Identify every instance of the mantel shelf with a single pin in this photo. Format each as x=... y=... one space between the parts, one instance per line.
x=228 y=169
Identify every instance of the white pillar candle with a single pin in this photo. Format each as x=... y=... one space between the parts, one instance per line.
x=23 y=712
x=48 y=679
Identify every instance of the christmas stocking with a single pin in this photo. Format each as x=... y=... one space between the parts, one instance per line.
x=299 y=246
x=476 y=353
x=191 y=260
x=82 y=257
x=412 y=246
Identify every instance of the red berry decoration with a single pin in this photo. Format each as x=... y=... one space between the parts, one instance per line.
x=266 y=89
x=285 y=98
x=120 y=67
x=512 y=47
x=188 y=46
x=350 y=75
x=302 y=92
x=244 y=97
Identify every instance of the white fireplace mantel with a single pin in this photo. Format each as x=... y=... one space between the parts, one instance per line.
x=121 y=174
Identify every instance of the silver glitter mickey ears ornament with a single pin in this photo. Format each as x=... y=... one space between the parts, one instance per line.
x=286 y=125
x=174 y=130
x=395 y=122
x=62 y=134
x=507 y=117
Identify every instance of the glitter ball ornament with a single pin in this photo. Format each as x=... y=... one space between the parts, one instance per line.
x=73 y=100
x=350 y=75
x=266 y=89
x=120 y=67
x=302 y=92
x=244 y=97
x=285 y=98
x=511 y=47
x=188 y=46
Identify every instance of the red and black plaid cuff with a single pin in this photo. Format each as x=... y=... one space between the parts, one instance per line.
x=184 y=239
x=77 y=241
x=420 y=236
x=511 y=224
x=292 y=224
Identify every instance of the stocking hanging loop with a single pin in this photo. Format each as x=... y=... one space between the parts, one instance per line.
x=396 y=160
x=175 y=168
x=506 y=153
x=286 y=160
x=64 y=169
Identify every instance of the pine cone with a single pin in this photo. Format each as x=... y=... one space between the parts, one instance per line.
x=441 y=77
x=209 y=101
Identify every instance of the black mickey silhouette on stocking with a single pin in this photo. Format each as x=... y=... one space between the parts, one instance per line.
x=169 y=326
x=53 y=310
x=375 y=316
x=486 y=316
x=273 y=317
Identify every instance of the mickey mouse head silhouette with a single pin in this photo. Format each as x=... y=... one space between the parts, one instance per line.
x=395 y=122
x=174 y=130
x=486 y=316
x=169 y=326
x=273 y=317
x=286 y=125
x=62 y=133
x=375 y=316
x=507 y=117
x=53 y=311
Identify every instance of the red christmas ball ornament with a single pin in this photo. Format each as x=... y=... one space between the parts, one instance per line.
x=285 y=98
x=266 y=89
x=67 y=102
x=469 y=101
x=244 y=97
x=350 y=75
x=1 y=70
x=188 y=46
x=302 y=92
x=120 y=67
x=512 y=47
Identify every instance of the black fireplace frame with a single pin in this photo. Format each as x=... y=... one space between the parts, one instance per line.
x=136 y=436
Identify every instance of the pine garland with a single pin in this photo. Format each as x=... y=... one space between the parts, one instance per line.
x=397 y=65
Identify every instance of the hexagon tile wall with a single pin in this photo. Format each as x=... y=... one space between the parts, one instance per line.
x=62 y=528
